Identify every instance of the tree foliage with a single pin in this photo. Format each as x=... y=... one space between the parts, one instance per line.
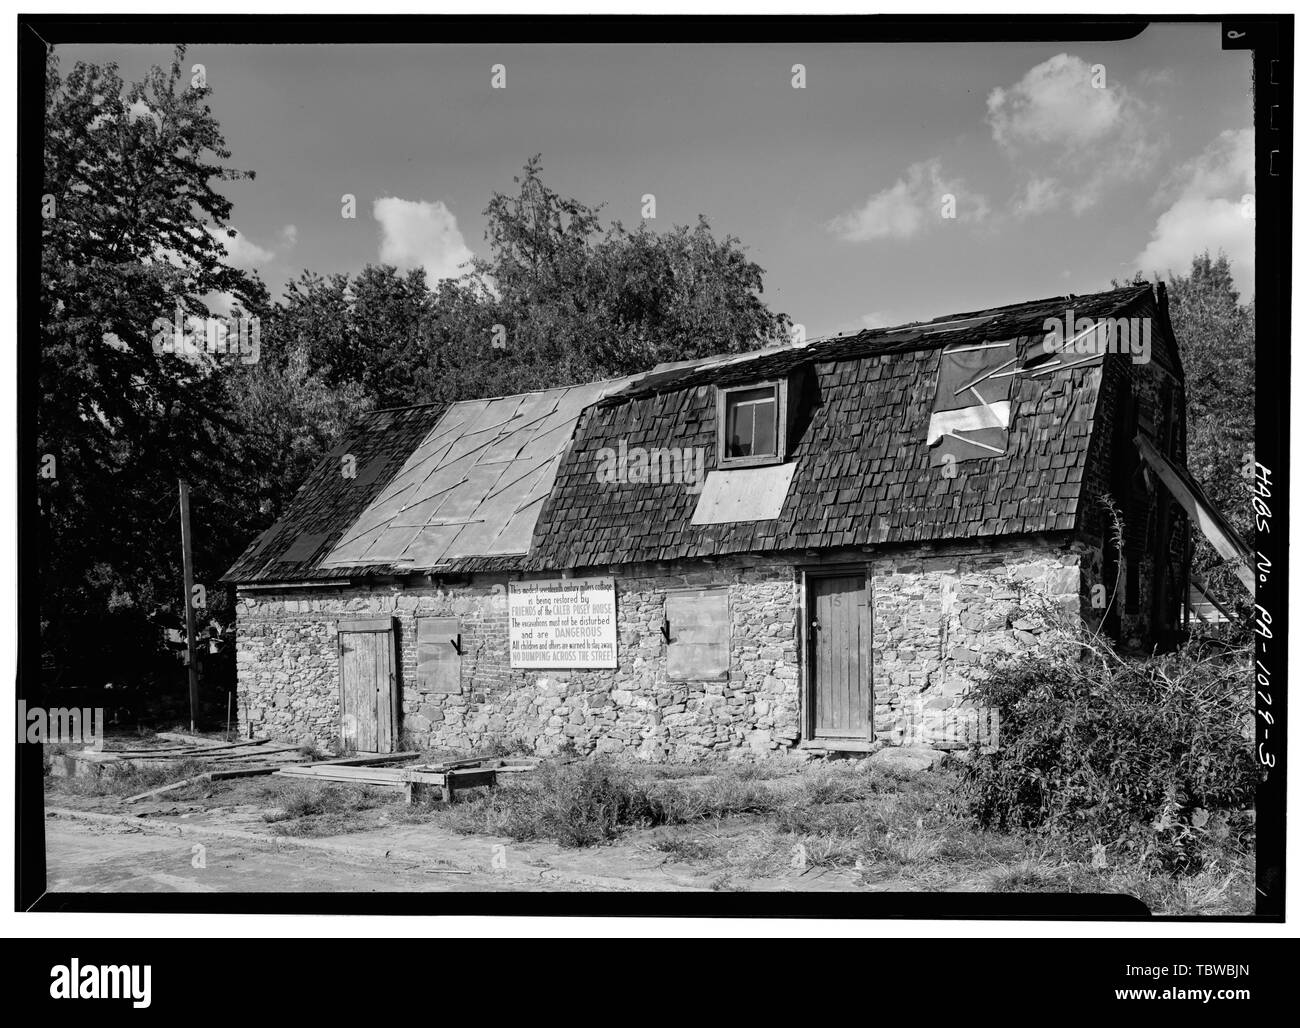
x=1216 y=338
x=1146 y=758
x=132 y=233
x=558 y=299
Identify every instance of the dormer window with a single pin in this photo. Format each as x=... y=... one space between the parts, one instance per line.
x=752 y=424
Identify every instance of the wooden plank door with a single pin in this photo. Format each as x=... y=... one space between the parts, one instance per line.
x=839 y=626
x=368 y=685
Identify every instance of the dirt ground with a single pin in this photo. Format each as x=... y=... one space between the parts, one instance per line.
x=778 y=827
x=90 y=851
x=98 y=843
x=88 y=856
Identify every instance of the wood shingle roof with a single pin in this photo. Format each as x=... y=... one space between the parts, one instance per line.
x=863 y=469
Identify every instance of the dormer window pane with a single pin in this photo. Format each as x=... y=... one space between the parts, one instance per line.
x=751 y=423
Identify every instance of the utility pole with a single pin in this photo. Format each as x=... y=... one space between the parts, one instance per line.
x=187 y=563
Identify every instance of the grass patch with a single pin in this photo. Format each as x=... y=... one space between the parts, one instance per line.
x=128 y=779
x=312 y=809
x=586 y=804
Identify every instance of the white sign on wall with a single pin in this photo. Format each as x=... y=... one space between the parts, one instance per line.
x=563 y=623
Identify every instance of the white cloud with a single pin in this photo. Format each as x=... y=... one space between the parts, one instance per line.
x=417 y=233
x=1206 y=211
x=1059 y=118
x=1056 y=104
x=221 y=304
x=911 y=205
x=241 y=251
x=1037 y=196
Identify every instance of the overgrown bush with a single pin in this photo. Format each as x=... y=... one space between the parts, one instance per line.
x=593 y=802
x=585 y=804
x=1149 y=758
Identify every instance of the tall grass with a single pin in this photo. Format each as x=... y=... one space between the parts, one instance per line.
x=596 y=801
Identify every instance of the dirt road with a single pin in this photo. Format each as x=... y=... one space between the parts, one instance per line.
x=83 y=856
x=109 y=852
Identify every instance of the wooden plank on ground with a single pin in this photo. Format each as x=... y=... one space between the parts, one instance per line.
x=165 y=788
x=289 y=773
x=210 y=744
x=377 y=775
x=367 y=760
x=204 y=753
x=269 y=752
x=243 y=772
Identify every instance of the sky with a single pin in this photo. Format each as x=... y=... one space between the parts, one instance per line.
x=901 y=182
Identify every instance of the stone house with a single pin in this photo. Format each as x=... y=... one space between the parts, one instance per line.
x=807 y=547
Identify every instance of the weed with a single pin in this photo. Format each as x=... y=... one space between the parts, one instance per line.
x=1148 y=757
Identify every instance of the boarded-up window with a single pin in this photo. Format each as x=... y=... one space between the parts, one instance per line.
x=699 y=635
x=438 y=641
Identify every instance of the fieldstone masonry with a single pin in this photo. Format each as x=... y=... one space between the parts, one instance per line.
x=937 y=619
x=937 y=615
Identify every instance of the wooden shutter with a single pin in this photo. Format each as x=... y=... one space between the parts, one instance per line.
x=438 y=657
x=699 y=635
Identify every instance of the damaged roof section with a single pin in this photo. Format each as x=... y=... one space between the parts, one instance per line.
x=338 y=489
x=473 y=486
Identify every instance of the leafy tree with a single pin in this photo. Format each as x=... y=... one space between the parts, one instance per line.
x=579 y=301
x=289 y=417
x=558 y=299
x=1216 y=337
x=134 y=235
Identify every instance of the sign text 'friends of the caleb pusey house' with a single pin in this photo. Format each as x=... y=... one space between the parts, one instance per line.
x=563 y=623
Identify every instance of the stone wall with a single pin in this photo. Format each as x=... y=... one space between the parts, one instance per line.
x=937 y=619
x=937 y=615
x=289 y=687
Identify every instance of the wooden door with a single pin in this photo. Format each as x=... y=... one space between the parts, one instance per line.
x=839 y=626
x=368 y=684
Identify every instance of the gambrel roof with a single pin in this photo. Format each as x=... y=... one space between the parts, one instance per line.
x=862 y=467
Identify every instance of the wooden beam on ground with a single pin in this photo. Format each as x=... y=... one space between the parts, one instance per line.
x=378 y=775
x=243 y=772
x=209 y=744
x=166 y=788
x=193 y=740
x=208 y=755
x=369 y=759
